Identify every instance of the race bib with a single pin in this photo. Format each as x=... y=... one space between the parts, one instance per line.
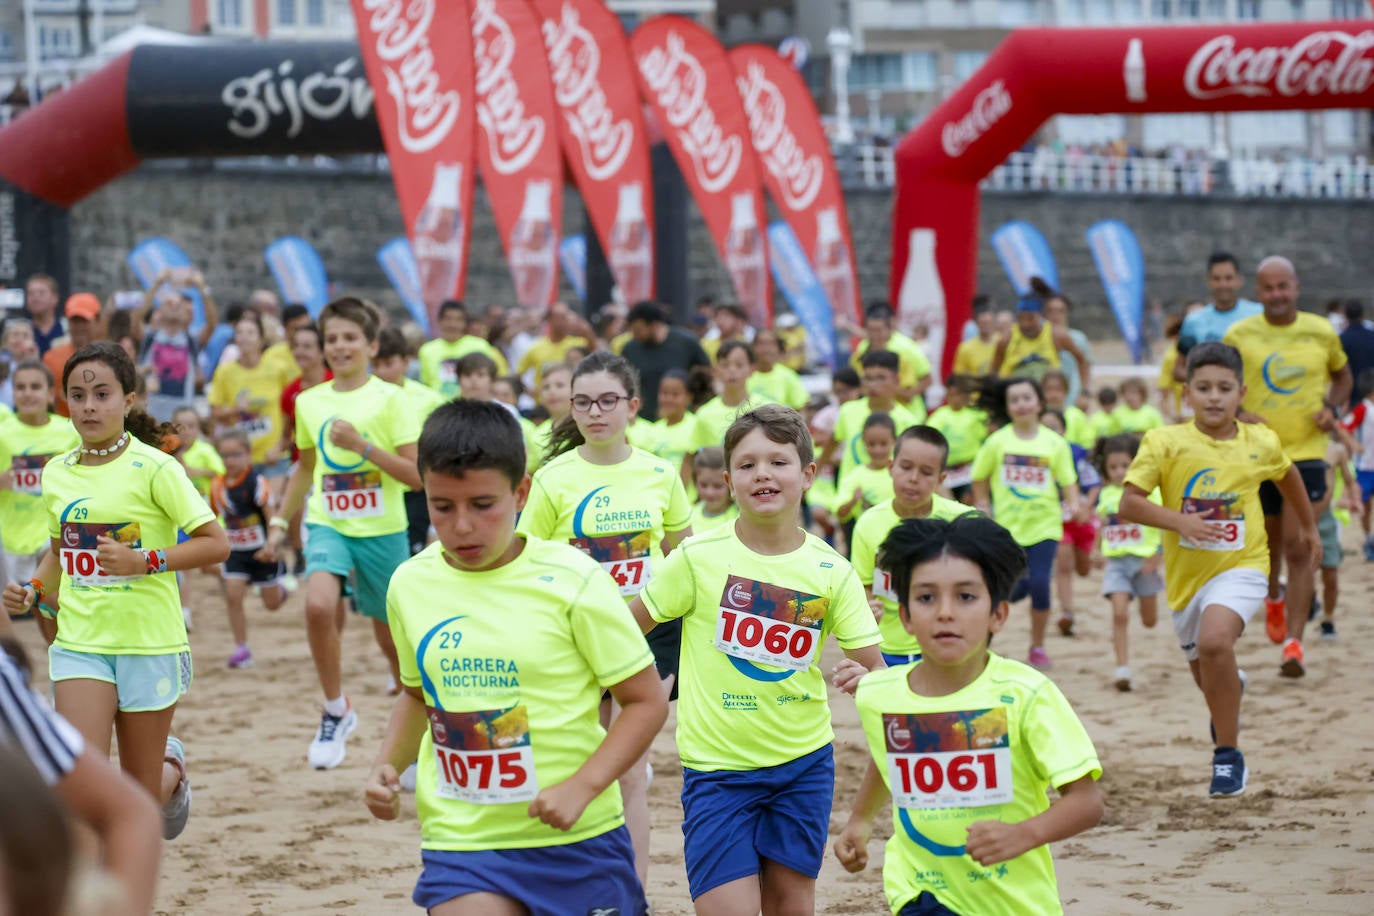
x=624 y=557
x=354 y=495
x=949 y=759
x=961 y=476
x=1123 y=535
x=245 y=533
x=448 y=372
x=882 y=585
x=484 y=757
x=80 y=556
x=27 y=471
x=1025 y=472
x=1232 y=529
x=253 y=426
x=769 y=624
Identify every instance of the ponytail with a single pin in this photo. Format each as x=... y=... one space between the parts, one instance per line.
x=145 y=429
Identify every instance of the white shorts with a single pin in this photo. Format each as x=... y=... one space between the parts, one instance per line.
x=19 y=567
x=1241 y=591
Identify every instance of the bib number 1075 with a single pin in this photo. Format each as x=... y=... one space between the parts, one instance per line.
x=765 y=640
x=950 y=779
x=487 y=777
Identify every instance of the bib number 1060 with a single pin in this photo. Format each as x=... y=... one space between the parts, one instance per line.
x=762 y=639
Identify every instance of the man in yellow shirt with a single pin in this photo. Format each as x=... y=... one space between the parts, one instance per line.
x=913 y=373
x=1295 y=374
x=554 y=345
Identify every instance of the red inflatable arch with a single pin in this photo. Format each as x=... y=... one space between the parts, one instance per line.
x=1037 y=73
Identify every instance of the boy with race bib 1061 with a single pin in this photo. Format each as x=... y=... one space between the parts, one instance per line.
x=757 y=600
x=516 y=786
x=1216 y=554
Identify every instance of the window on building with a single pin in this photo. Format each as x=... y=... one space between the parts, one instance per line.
x=56 y=41
x=1216 y=9
x=1161 y=9
x=1129 y=10
x=229 y=14
x=286 y=12
x=921 y=73
x=1297 y=9
x=1248 y=9
x=1340 y=128
x=6 y=46
x=314 y=12
x=1348 y=9
x=966 y=63
x=1099 y=11
x=1012 y=13
x=1165 y=131
x=1073 y=12
x=1268 y=130
x=1189 y=9
x=876 y=71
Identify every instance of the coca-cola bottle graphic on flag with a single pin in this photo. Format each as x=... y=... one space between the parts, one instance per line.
x=439 y=239
x=630 y=257
x=533 y=260
x=744 y=259
x=833 y=267
x=921 y=300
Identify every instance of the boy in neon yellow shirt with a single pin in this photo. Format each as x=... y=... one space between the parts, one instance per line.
x=771 y=379
x=356 y=471
x=757 y=600
x=516 y=780
x=1136 y=414
x=390 y=366
x=844 y=450
x=734 y=368
x=198 y=456
x=871 y=482
x=965 y=742
x=1216 y=553
x=439 y=357
x=964 y=428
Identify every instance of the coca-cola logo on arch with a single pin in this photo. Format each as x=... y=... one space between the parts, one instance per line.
x=989 y=107
x=574 y=63
x=513 y=136
x=1307 y=67
x=678 y=82
x=425 y=112
x=799 y=175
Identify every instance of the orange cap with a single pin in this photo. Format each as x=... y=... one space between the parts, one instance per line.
x=82 y=305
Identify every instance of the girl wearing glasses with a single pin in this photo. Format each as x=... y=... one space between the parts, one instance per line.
x=624 y=507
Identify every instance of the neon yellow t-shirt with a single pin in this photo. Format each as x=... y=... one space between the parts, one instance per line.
x=544 y=351
x=874 y=483
x=255 y=397
x=701 y=521
x=1287 y=374
x=1102 y=424
x=352 y=495
x=912 y=362
x=1195 y=472
x=140 y=499
x=871 y=530
x=421 y=399
x=533 y=452
x=24 y=450
x=974 y=357
x=1078 y=429
x=617 y=514
x=849 y=432
x=671 y=442
x=1166 y=381
x=1122 y=538
x=1023 y=474
x=779 y=384
x=965 y=429
x=1008 y=737
x=202 y=456
x=280 y=354
x=439 y=361
x=512 y=679
x=752 y=691
x=715 y=416
x=1137 y=419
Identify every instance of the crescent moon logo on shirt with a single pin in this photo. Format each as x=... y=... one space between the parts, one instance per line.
x=738 y=597
x=321 y=444
x=898 y=736
x=581 y=511
x=1274 y=372
x=427 y=682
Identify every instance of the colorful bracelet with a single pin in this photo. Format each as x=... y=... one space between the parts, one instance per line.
x=38 y=590
x=156 y=561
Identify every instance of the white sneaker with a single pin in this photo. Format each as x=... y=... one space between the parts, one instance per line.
x=407 y=779
x=1123 y=678
x=186 y=616
x=331 y=741
x=177 y=811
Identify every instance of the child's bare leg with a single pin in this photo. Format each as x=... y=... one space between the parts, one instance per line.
x=1149 y=610
x=1216 y=670
x=1121 y=621
x=786 y=892
x=234 y=592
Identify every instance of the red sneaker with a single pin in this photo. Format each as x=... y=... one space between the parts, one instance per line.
x=1276 y=619
x=1292 y=659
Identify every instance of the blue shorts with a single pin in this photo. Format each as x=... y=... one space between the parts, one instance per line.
x=143 y=683
x=734 y=819
x=925 y=905
x=892 y=661
x=370 y=560
x=1366 y=481
x=593 y=876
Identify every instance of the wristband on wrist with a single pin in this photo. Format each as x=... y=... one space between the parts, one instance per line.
x=38 y=589
x=155 y=561
x=367 y=451
x=279 y=522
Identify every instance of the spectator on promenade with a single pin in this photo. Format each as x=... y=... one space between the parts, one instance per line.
x=40 y=301
x=1357 y=340
x=654 y=348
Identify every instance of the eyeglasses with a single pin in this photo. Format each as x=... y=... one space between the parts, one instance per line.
x=607 y=402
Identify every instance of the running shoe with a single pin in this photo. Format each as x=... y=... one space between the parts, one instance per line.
x=1329 y=630
x=1066 y=623
x=242 y=657
x=331 y=742
x=1276 y=619
x=1039 y=659
x=177 y=809
x=1316 y=610
x=1292 y=659
x=1229 y=773
x=1123 y=678
x=1244 y=682
x=1369 y=548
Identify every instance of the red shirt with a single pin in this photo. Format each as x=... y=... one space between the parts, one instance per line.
x=289 y=394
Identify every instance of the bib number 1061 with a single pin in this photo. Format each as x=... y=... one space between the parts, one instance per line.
x=948 y=779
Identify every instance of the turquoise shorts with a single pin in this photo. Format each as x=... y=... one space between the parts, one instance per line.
x=370 y=560
x=143 y=683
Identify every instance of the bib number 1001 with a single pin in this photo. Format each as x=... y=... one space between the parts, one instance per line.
x=353 y=503
x=762 y=639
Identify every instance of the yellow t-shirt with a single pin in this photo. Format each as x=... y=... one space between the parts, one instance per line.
x=912 y=362
x=849 y=432
x=965 y=429
x=280 y=354
x=616 y=514
x=421 y=399
x=1030 y=357
x=1121 y=538
x=715 y=416
x=875 y=484
x=544 y=351
x=1136 y=419
x=1008 y=737
x=1287 y=374
x=439 y=361
x=671 y=442
x=1166 y=381
x=255 y=396
x=512 y=679
x=974 y=356
x=1101 y=425
x=24 y=450
x=1195 y=472
x=619 y=341
x=752 y=691
x=703 y=522
x=1025 y=477
x=1078 y=429
x=202 y=456
x=871 y=530
x=779 y=384
x=351 y=495
x=140 y=499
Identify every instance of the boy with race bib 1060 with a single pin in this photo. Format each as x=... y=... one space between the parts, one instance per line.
x=1216 y=554
x=965 y=742
x=757 y=600
x=516 y=786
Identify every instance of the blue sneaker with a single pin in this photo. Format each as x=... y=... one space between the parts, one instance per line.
x=1369 y=548
x=1228 y=772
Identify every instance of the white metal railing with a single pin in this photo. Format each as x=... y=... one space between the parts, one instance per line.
x=1069 y=172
